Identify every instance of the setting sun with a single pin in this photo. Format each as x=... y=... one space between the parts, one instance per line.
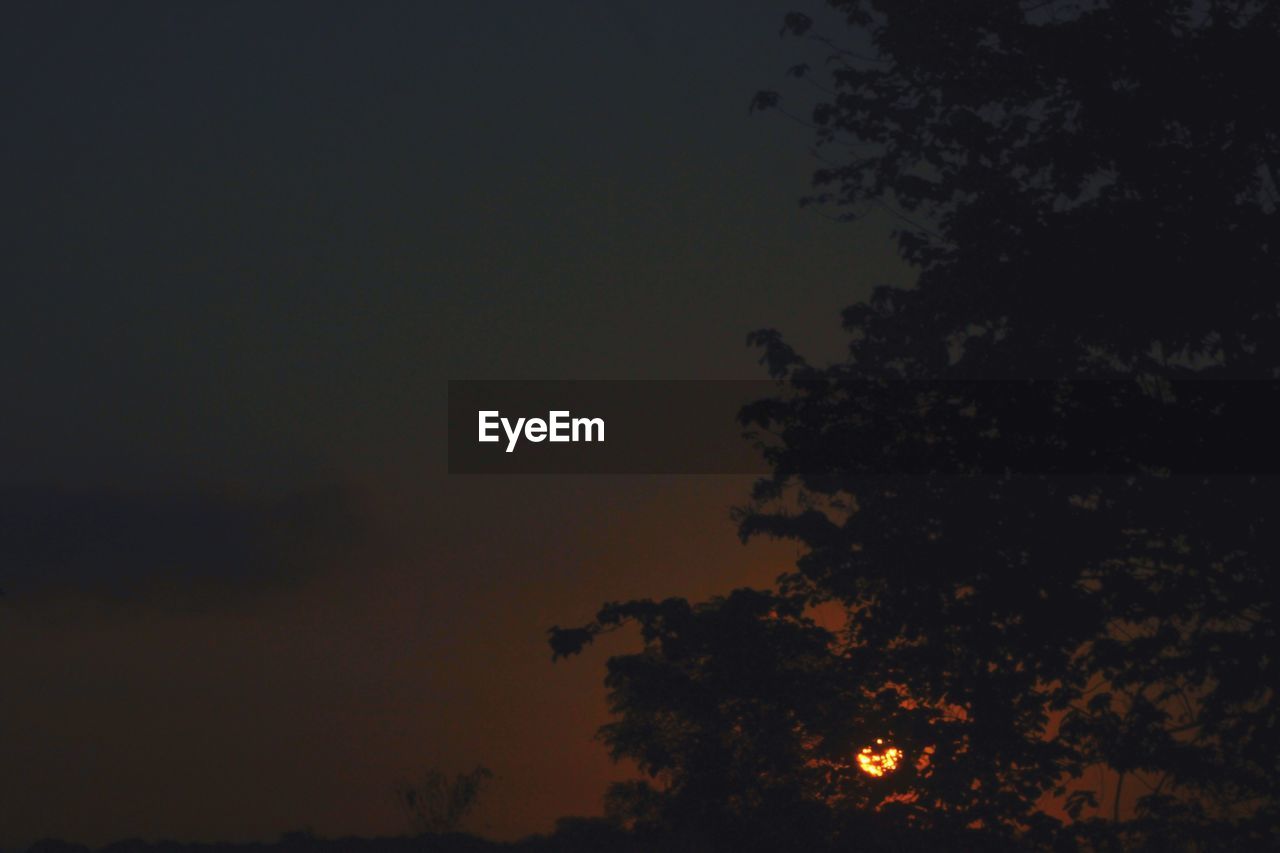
x=877 y=760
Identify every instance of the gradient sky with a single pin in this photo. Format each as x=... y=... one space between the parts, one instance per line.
x=245 y=245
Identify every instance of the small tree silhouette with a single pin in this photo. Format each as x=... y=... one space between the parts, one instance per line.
x=438 y=804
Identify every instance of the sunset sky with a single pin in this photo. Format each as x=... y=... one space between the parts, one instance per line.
x=245 y=247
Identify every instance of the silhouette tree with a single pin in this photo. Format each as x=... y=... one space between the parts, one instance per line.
x=1086 y=190
x=439 y=804
x=1071 y=176
x=709 y=709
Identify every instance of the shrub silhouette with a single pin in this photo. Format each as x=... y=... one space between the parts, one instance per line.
x=439 y=804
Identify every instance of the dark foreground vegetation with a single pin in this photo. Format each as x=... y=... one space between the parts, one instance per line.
x=572 y=835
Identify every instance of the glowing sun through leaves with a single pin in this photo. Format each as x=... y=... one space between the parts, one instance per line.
x=878 y=760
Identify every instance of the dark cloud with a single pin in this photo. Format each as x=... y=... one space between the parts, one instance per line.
x=114 y=544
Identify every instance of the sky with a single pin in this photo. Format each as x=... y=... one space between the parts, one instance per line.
x=245 y=247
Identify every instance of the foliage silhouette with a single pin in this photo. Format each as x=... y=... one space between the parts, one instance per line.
x=1087 y=191
x=438 y=804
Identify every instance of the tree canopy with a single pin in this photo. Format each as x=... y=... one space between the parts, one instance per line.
x=1086 y=190
x=1083 y=185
